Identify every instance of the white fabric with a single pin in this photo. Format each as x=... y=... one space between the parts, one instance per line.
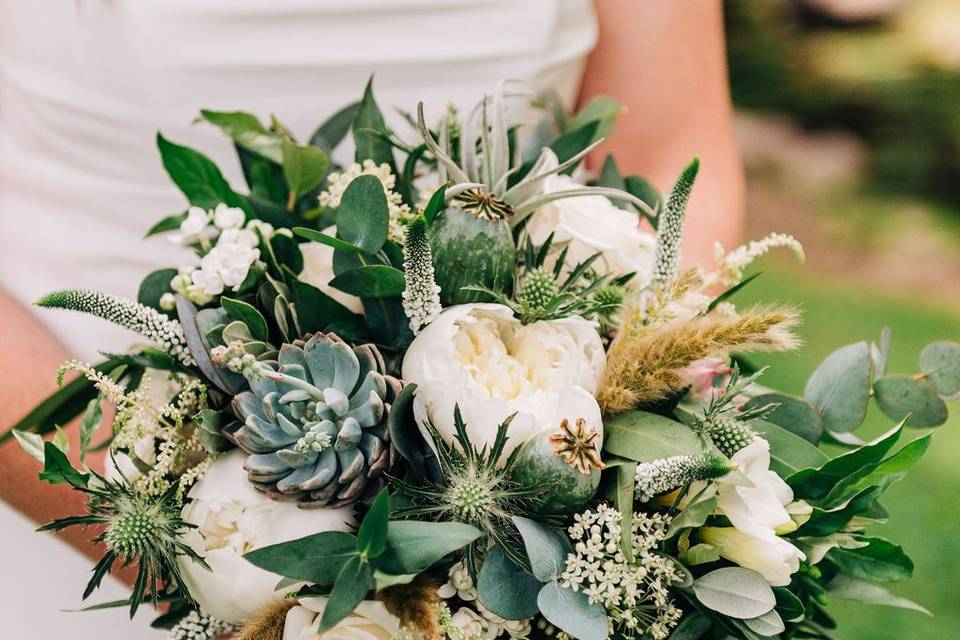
x=85 y=84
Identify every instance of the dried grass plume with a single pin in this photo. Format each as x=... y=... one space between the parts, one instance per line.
x=268 y=623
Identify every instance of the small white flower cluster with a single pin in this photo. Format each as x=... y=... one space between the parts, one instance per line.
x=730 y=266
x=421 y=294
x=228 y=246
x=635 y=594
x=197 y=625
x=471 y=621
x=662 y=476
x=400 y=213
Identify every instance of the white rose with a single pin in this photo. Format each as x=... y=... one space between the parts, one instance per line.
x=370 y=620
x=232 y=519
x=225 y=217
x=758 y=508
x=318 y=271
x=592 y=224
x=482 y=359
x=769 y=555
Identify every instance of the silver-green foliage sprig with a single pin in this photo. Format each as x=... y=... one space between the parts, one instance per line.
x=670 y=227
x=664 y=475
x=149 y=323
x=421 y=294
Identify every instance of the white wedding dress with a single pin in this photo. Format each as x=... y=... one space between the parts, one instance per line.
x=84 y=86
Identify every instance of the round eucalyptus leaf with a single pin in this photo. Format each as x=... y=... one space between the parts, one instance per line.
x=768 y=625
x=796 y=415
x=572 y=612
x=840 y=387
x=735 y=592
x=506 y=589
x=902 y=396
x=940 y=363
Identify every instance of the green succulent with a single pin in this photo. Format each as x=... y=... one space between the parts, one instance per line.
x=315 y=422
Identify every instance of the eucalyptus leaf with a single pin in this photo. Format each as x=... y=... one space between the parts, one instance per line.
x=571 y=611
x=840 y=387
x=506 y=589
x=370 y=133
x=701 y=554
x=796 y=415
x=317 y=311
x=644 y=437
x=414 y=546
x=546 y=548
x=154 y=286
x=692 y=626
x=914 y=401
x=768 y=625
x=940 y=363
x=735 y=592
x=363 y=215
x=789 y=605
x=693 y=516
x=316 y=558
x=246 y=130
x=846 y=587
x=331 y=241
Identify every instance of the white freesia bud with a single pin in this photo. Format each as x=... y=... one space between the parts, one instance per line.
x=370 y=620
x=772 y=557
x=232 y=519
x=758 y=507
x=318 y=271
x=592 y=224
x=225 y=217
x=482 y=359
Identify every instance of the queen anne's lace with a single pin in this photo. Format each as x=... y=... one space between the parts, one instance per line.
x=634 y=593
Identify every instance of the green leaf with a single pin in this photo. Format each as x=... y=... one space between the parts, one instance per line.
x=546 y=548
x=370 y=133
x=317 y=311
x=316 y=558
x=210 y=425
x=304 y=168
x=625 y=476
x=363 y=215
x=789 y=605
x=882 y=473
x=644 y=437
x=729 y=293
x=286 y=250
x=371 y=281
x=645 y=191
x=903 y=397
x=735 y=592
x=788 y=453
x=768 y=625
x=506 y=589
x=692 y=626
x=701 y=554
x=601 y=109
x=170 y=223
x=247 y=314
x=197 y=176
x=879 y=561
x=840 y=387
x=350 y=589
x=695 y=515
x=847 y=587
x=940 y=363
x=414 y=546
x=372 y=534
x=322 y=238
x=575 y=141
x=61 y=440
x=817 y=482
x=245 y=129
x=332 y=132
x=31 y=443
x=796 y=415
x=436 y=204
x=824 y=522
x=58 y=470
x=92 y=418
x=571 y=611
x=153 y=286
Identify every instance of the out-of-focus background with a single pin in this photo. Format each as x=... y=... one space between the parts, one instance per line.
x=849 y=122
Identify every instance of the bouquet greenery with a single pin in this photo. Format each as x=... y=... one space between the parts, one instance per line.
x=457 y=389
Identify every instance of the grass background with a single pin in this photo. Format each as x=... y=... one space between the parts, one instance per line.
x=924 y=507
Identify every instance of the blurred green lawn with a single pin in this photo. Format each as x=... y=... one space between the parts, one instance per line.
x=925 y=507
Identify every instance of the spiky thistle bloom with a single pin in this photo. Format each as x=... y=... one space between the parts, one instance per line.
x=150 y=323
x=138 y=529
x=670 y=226
x=198 y=625
x=471 y=488
x=421 y=294
x=664 y=475
x=728 y=433
x=723 y=423
x=635 y=593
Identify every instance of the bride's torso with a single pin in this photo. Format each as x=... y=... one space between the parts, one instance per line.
x=85 y=84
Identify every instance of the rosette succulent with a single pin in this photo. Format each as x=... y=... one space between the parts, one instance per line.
x=315 y=422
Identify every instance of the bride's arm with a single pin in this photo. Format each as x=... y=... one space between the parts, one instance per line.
x=667 y=62
x=29 y=358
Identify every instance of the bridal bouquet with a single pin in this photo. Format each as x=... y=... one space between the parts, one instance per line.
x=461 y=388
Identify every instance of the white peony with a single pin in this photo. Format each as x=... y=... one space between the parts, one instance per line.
x=370 y=620
x=232 y=519
x=482 y=359
x=769 y=555
x=225 y=217
x=592 y=224
x=318 y=271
